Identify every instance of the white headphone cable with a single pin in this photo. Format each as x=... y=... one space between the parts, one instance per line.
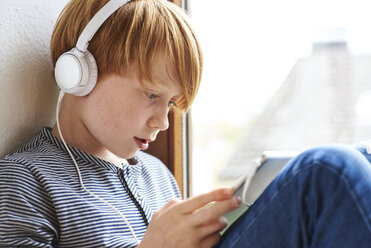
x=61 y=95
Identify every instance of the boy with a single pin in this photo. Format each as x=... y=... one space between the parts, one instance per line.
x=107 y=193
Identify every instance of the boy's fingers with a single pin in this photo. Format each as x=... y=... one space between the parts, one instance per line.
x=213 y=227
x=194 y=203
x=167 y=206
x=214 y=212
x=171 y=203
x=210 y=240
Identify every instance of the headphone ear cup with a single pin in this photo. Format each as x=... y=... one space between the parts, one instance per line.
x=92 y=74
x=76 y=72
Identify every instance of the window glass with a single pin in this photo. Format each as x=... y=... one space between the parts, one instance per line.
x=278 y=75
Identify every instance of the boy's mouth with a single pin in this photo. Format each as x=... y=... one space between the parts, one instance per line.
x=142 y=143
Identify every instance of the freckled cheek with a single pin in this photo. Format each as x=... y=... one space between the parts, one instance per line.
x=102 y=120
x=104 y=116
x=125 y=120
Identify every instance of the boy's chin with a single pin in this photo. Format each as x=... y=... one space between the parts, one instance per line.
x=130 y=155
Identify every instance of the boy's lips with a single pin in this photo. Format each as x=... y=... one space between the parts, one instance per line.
x=142 y=143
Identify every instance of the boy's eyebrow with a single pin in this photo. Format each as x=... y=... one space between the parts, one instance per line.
x=149 y=88
x=158 y=86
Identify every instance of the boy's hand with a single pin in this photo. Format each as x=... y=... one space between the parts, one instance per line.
x=189 y=223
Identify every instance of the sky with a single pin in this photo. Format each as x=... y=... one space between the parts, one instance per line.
x=250 y=47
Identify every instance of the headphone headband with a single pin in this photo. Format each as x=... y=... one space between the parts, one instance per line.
x=98 y=19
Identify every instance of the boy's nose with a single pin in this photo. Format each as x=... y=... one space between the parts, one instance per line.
x=164 y=122
x=160 y=120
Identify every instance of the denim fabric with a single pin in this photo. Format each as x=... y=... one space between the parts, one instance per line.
x=322 y=198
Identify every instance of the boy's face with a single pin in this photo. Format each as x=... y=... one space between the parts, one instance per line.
x=124 y=116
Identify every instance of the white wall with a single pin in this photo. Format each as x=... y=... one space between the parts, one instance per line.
x=28 y=92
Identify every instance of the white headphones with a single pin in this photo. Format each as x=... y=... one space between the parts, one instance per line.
x=76 y=71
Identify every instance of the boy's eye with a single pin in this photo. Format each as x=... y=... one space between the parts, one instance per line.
x=171 y=104
x=152 y=96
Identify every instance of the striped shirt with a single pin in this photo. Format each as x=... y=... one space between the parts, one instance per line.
x=43 y=205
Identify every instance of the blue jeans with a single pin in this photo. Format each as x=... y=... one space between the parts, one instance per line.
x=322 y=198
